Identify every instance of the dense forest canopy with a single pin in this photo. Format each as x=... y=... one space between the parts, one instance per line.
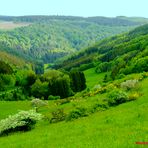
x=48 y=38
x=121 y=54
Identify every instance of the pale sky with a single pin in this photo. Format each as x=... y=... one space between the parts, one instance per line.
x=85 y=8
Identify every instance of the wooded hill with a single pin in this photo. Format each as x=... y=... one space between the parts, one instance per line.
x=121 y=54
x=48 y=38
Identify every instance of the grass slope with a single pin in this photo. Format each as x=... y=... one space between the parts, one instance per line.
x=93 y=78
x=119 y=126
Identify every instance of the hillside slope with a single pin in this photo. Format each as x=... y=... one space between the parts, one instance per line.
x=125 y=53
x=48 y=38
x=121 y=126
x=12 y=60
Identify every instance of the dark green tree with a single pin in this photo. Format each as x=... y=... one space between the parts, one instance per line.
x=5 y=68
x=78 y=81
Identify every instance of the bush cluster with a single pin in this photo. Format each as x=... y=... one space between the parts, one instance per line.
x=13 y=95
x=51 y=97
x=77 y=113
x=116 y=97
x=57 y=116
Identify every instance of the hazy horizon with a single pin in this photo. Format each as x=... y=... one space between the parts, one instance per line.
x=80 y=8
x=73 y=16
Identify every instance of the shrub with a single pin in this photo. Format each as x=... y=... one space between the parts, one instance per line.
x=99 y=107
x=103 y=67
x=86 y=66
x=13 y=95
x=57 y=116
x=110 y=87
x=51 y=97
x=145 y=74
x=134 y=96
x=5 y=68
x=39 y=89
x=77 y=113
x=120 y=76
x=23 y=121
x=141 y=65
x=62 y=101
x=129 y=84
x=6 y=82
x=117 y=97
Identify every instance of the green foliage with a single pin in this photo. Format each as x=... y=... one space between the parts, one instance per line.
x=77 y=113
x=54 y=37
x=141 y=65
x=31 y=78
x=121 y=54
x=99 y=107
x=39 y=89
x=62 y=101
x=103 y=67
x=16 y=94
x=6 y=81
x=86 y=66
x=12 y=59
x=57 y=116
x=5 y=68
x=51 y=97
x=25 y=77
x=117 y=97
x=78 y=81
x=23 y=121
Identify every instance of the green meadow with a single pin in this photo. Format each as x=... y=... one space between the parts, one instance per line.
x=121 y=126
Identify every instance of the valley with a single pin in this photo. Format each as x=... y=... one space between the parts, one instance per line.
x=73 y=82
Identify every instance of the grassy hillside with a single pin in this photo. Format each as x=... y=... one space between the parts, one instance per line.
x=101 y=102
x=120 y=126
x=112 y=54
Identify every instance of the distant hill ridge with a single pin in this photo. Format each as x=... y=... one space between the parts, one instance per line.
x=115 y=21
x=128 y=49
x=49 y=38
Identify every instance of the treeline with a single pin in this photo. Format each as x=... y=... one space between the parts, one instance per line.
x=116 y=21
x=24 y=84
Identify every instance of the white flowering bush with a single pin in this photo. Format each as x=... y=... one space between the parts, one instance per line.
x=37 y=103
x=129 y=84
x=97 y=87
x=22 y=121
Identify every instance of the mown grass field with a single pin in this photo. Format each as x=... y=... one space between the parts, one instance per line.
x=117 y=127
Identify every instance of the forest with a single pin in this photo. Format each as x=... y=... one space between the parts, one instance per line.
x=48 y=38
